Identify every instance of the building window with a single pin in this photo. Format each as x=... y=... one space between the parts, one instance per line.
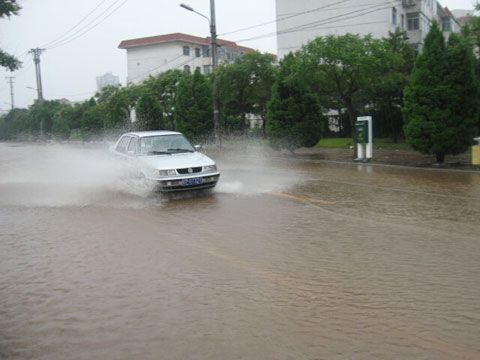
x=446 y=24
x=413 y=21
x=206 y=51
x=394 y=16
x=198 y=68
x=186 y=68
x=207 y=69
x=186 y=51
x=402 y=17
x=197 y=52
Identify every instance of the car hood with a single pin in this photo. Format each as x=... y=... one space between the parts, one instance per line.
x=176 y=161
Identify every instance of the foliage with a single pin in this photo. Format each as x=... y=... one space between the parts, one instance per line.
x=14 y=124
x=194 y=107
x=294 y=116
x=440 y=103
x=41 y=115
x=245 y=87
x=8 y=8
x=149 y=112
x=343 y=70
x=92 y=121
x=164 y=86
x=60 y=126
x=387 y=94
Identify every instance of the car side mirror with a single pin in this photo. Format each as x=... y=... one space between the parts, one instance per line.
x=198 y=147
x=131 y=152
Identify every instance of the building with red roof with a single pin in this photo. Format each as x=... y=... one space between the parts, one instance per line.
x=155 y=54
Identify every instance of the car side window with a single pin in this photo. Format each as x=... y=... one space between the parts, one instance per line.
x=122 y=145
x=132 y=146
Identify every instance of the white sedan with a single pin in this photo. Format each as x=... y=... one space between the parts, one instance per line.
x=167 y=160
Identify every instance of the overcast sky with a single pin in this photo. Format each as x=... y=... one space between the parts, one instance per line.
x=81 y=38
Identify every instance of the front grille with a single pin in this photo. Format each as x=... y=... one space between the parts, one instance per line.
x=186 y=172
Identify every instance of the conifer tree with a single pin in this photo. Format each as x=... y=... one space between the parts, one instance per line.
x=294 y=114
x=194 y=107
x=436 y=120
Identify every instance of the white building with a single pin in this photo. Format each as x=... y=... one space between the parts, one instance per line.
x=301 y=21
x=107 y=79
x=156 y=54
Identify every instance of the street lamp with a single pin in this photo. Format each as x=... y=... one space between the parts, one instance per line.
x=213 y=35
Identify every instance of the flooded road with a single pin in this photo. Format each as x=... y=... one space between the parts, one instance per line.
x=285 y=259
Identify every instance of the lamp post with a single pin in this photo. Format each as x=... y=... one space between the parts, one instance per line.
x=213 y=35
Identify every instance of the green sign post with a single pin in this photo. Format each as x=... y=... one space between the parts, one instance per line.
x=364 y=138
x=361 y=132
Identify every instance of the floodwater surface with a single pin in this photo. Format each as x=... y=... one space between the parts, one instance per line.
x=285 y=259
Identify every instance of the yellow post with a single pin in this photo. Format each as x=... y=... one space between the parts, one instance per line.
x=476 y=155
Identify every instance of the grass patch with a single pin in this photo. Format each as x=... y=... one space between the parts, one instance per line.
x=345 y=143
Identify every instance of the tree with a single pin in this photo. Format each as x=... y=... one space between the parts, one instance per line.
x=14 y=124
x=194 y=107
x=60 y=126
x=440 y=102
x=119 y=107
x=8 y=8
x=387 y=90
x=245 y=86
x=342 y=69
x=92 y=120
x=149 y=112
x=164 y=86
x=294 y=116
x=41 y=115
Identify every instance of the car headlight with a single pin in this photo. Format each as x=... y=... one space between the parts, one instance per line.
x=169 y=172
x=210 y=168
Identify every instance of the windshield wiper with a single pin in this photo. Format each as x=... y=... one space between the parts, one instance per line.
x=158 y=153
x=180 y=150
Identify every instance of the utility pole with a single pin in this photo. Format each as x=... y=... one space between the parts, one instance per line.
x=216 y=112
x=10 y=79
x=36 y=58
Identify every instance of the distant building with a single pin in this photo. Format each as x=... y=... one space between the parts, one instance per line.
x=301 y=21
x=107 y=79
x=156 y=54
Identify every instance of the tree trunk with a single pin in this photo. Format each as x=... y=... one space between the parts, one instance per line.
x=352 y=114
x=440 y=158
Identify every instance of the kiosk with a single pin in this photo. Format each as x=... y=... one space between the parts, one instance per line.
x=364 y=138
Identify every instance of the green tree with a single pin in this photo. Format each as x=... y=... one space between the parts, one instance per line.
x=119 y=107
x=40 y=117
x=60 y=126
x=294 y=115
x=342 y=70
x=387 y=87
x=149 y=112
x=441 y=98
x=14 y=125
x=245 y=86
x=194 y=107
x=92 y=120
x=164 y=86
x=8 y=8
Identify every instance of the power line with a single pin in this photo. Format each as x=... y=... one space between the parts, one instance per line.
x=285 y=18
x=85 y=29
x=76 y=25
x=308 y=26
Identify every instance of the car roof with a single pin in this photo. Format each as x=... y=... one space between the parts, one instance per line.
x=152 y=133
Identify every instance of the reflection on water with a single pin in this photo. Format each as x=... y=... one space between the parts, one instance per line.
x=94 y=267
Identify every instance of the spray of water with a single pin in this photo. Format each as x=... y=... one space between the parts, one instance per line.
x=61 y=175
x=57 y=175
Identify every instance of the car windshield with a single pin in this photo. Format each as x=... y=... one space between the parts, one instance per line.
x=165 y=144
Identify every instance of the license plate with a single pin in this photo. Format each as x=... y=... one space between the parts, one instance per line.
x=192 y=181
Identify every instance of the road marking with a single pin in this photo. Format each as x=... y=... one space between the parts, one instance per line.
x=303 y=198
